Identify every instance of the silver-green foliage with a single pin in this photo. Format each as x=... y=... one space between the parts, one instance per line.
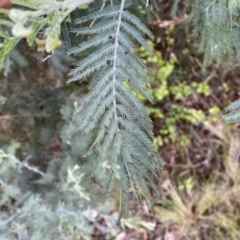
x=55 y=214
x=218 y=24
x=55 y=203
x=234 y=112
x=111 y=105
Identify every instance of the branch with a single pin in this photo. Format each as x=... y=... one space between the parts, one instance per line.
x=29 y=167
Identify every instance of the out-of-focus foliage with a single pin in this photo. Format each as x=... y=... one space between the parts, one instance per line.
x=199 y=190
x=41 y=215
x=217 y=23
x=197 y=209
x=60 y=206
x=165 y=89
x=49 y=169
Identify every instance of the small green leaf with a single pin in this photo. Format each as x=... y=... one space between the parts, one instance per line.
x=35 y=27
x=8 y=45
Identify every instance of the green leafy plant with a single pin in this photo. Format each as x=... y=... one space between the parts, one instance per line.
x=58 y=202
x=166 y=88
x=110 y=31
x=30 y=215
x=217 y=23
x=124 y=126
x=108 y=34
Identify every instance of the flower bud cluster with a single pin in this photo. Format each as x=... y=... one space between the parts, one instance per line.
x=20 y=18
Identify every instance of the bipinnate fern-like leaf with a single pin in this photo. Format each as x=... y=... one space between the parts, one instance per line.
x=234 y=112
x=124 y=127
x=217 y=22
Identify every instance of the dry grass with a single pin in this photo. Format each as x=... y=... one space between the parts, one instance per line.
x=206 y=209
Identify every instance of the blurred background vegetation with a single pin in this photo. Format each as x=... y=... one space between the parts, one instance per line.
x=41 y=157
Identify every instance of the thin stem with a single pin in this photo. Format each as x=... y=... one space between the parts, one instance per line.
x=31 y=168
x=115 y=56
x=71 y=5
x=103 y=5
